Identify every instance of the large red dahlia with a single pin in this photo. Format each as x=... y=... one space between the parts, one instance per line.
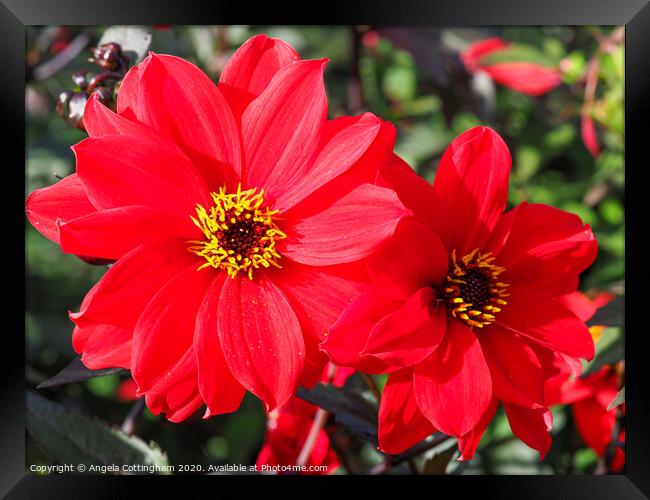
x=237 y=215
x=465 y=310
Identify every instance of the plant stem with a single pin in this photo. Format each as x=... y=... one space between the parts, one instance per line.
x=66 y=56
x=319 y=420
x=128 y=426
x=312 y=437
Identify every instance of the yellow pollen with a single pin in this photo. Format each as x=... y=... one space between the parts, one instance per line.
x=472 y=288
x=240 y=235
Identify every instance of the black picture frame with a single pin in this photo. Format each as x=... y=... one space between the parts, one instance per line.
x=634 y=14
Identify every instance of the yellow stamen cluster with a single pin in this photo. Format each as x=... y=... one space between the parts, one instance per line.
x=240 y=233
x=473 y=290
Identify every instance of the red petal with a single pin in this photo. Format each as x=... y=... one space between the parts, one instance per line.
x=565 y=385
x=516 y=371
x=582 y=306
x=527 y=78
x=589 y=135
x=250 y=69
x=472 y=55
x=348 y=335
x=472 y=185
x=337 y=155
x=219 y=389
x=365 y=169
x=176 y=395
x=531 y=426
x=594 y=424
x=124 y=170
x=468 y=443
x=318 y=295
x=281 y=127
x=178 y=100
x=261 y=338
x=408 y=335
x=163 y=334
x=61 y=202
x=126 y=288
x=549 y=323
x=103 y=346
x=111 y=309
x=543 y=249
x=345 y=230
x=109 y=234
x=411 y=259
x=341 y=375
x=453 y=386
x=416 y=194
x=401 y=424
x=315 y=360
x=127 y=97
x=99 y=121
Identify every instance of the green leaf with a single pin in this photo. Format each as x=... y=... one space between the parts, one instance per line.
x=612 y=211
x=585 y=459
x=349 y=408
x=574 y=67
x=560 y=137
x=527 y=162
x=103 y=387
x=618 y=400
x=463 y=121
x=609 y=350
x=611 y=314
x=76 y=371
x=70 y=437
x=400 y=83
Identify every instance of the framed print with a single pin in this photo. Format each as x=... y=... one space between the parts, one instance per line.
x=386 y=242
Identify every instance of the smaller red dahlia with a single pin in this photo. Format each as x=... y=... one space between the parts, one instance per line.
x=465 y=311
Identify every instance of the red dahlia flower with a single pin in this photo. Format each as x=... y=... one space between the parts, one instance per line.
x=465 y=312
x=288 y=427
x=237 y=215
x=527 y=77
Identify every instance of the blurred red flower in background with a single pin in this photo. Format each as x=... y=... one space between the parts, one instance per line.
x=288 y=428
x=464 y=312
x=527 y=77
x=591 y=395
x=594 y=421
x=247 y=183
x=127 y=391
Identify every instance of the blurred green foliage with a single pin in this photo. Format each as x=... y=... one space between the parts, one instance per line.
x=413 y=78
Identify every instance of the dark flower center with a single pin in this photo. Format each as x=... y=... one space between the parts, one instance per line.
x=242 y=236
x=476 y=289
x=240 y=233
x=472 y=289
